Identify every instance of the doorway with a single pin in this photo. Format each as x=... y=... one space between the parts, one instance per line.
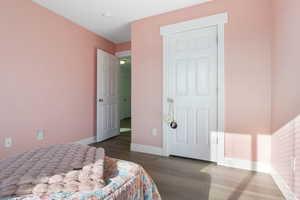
x=125 y=95
x=193 y=90
x=192 y=85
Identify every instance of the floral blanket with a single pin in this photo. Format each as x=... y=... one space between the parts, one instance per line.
x=125 y=181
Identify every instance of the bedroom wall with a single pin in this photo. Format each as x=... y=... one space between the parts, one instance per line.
x=285 y=62
x=285 y=92
x=125 y=46
x=247 y=75
x=47 y=77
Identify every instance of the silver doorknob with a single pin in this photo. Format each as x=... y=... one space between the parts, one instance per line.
x=100 y=100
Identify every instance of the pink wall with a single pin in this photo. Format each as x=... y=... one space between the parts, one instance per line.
x=286 y=147
x=285 y=62
x=47 y=76
x=247 y=75
x=125 y=46
x=285 y=91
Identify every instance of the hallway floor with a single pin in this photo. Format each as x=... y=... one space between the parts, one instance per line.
x=125 y=126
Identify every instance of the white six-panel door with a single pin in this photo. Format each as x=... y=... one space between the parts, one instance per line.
x=192 y=80
x=108 y=122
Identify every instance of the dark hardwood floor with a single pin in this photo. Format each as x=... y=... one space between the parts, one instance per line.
x=185 y=179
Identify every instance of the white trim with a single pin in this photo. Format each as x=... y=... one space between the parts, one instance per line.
x=219 y=20
x=245 y=164
x=165 y=127
x=194 y=24
x=284 y=188
x=221 y=93
x=146 y=149
x=122 y=54
x=87 y=141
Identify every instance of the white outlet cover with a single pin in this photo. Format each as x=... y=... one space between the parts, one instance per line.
x=8 y=142
x=40 y=134
x=154 y=132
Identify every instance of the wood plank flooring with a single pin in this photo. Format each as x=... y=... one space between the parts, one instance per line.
x=186 y=179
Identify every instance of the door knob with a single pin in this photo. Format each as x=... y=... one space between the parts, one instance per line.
x=100 y=100
x=173 y=125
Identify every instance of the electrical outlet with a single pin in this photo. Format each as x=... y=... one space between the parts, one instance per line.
x=154 y=132
x=40 y=134
x=8 y=142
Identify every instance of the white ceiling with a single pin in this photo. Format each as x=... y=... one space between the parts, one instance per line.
x=88 y=13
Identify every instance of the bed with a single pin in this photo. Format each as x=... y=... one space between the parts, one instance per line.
x=123 y=180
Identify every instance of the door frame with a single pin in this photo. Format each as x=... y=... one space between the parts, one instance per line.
x=122 y=54
x=217 y=139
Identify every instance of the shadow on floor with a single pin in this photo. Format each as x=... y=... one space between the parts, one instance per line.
x=237 y=193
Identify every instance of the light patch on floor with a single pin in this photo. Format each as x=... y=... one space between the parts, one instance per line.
x=122 y=130
x=125 y=126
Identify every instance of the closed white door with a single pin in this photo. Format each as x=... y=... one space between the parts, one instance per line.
x=192 y=84
x=108 y=124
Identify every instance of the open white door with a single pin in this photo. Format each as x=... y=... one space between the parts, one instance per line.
x=108 y=124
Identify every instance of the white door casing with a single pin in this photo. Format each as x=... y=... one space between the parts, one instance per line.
x=108 y=123
x=212 y=142
x=127 y=112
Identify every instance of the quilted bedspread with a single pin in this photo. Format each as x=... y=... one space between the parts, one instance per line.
x=124 y=181
x=61 y=167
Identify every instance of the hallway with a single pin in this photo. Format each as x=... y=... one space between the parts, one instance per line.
x=125 y=126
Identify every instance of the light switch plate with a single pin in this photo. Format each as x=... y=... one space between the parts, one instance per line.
x=8 y=142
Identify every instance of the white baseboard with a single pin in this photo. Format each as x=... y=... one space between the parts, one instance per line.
x=146 y=149
x=284 y=188
x=87 y=141
x=246 y=164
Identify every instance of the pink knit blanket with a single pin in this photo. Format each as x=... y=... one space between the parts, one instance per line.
x=58 y=168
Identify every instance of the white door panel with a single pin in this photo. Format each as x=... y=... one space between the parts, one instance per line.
x=192 y=84
x=107 y=96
